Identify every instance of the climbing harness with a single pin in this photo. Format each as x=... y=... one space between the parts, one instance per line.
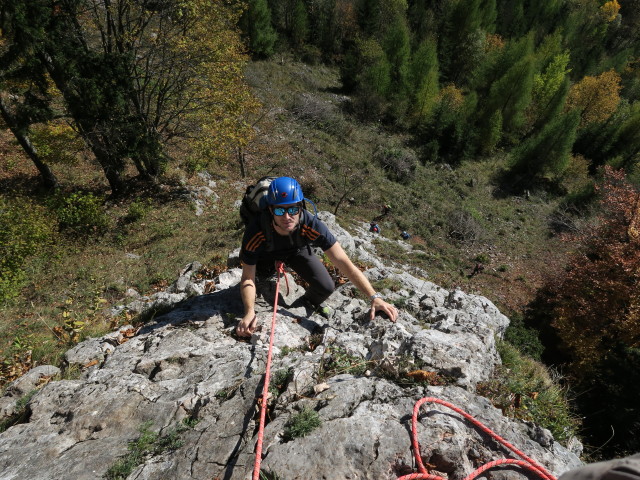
x=526 y=462
x=265 y=388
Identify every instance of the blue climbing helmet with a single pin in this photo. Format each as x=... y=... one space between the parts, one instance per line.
x=284 y=191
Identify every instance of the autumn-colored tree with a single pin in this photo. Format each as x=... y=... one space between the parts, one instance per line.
x=596 y=98
x=594 y=310
x=135 y=76
x=596 y=305
x=610 y=10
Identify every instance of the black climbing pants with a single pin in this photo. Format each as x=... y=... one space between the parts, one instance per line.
x=309 y=267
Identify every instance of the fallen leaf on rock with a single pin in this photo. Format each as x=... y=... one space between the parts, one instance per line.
x=321 y=387
x=422 y=375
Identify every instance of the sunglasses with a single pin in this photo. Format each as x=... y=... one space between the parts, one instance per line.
x=280 y=211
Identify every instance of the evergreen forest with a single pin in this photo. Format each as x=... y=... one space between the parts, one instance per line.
x=109 y=109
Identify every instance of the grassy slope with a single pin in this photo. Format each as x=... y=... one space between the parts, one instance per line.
x=303 y=134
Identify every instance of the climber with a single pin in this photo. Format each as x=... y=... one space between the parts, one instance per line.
x=374 y=227
x=290 y=225
x=405 y=235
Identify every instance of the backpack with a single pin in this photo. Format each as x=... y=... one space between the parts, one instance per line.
x=253 y=201
x=254 y=205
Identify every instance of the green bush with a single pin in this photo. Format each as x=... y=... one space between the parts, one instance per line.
x=138 y=210
x=302 y=424
x=79 y=212
x=525 y=339
x=25 y=230
x=523 y=388
x=147 y=444
x=399 y=163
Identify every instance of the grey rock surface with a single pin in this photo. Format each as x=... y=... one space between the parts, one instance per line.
x=187 y=364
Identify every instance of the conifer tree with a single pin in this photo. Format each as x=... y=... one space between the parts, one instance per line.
x=547 y=154
x=299 y=24
x=398 y=51
x=462 y=49
x=424 y=79
x=262 y=36
x=375 y=76
x=511 y=94
x=550 y=89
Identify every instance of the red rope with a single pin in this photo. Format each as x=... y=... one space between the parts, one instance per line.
x=265 y=388
x=526 y=462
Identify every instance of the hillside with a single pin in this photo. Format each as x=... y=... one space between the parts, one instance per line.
x=456 y=216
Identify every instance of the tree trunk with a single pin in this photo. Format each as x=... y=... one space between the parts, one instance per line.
x=48 y=178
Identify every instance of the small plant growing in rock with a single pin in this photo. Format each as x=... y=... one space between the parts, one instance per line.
x=279 y=381
x=264 y=475
x=302 y=424
x=339 y=361
x=149 y=443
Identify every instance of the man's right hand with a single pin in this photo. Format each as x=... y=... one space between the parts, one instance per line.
x=247 y=325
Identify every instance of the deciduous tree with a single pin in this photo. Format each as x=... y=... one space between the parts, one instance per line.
x=596 y=305
x=596 y=98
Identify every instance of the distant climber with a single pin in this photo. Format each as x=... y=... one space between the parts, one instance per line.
x=285 y=231
x=386 y=209
x=374 y=227
x=477 y=269
x=405 y=235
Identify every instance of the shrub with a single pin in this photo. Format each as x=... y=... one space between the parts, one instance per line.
x=462 y=226
x=399 y=163
x=79 y=212
x=525 y=339
x=25 y=230
x=137 y=210
x=339 y=361
x=523 y=388
x=148 y=443
x=302 y=424
x=319 y=114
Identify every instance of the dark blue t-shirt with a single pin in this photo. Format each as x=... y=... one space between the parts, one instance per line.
x=254 y=241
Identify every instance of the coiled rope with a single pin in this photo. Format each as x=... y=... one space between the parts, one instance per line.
x=526 y=462
x=267 y=374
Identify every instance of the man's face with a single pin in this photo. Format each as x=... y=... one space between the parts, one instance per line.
x=287 y=222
